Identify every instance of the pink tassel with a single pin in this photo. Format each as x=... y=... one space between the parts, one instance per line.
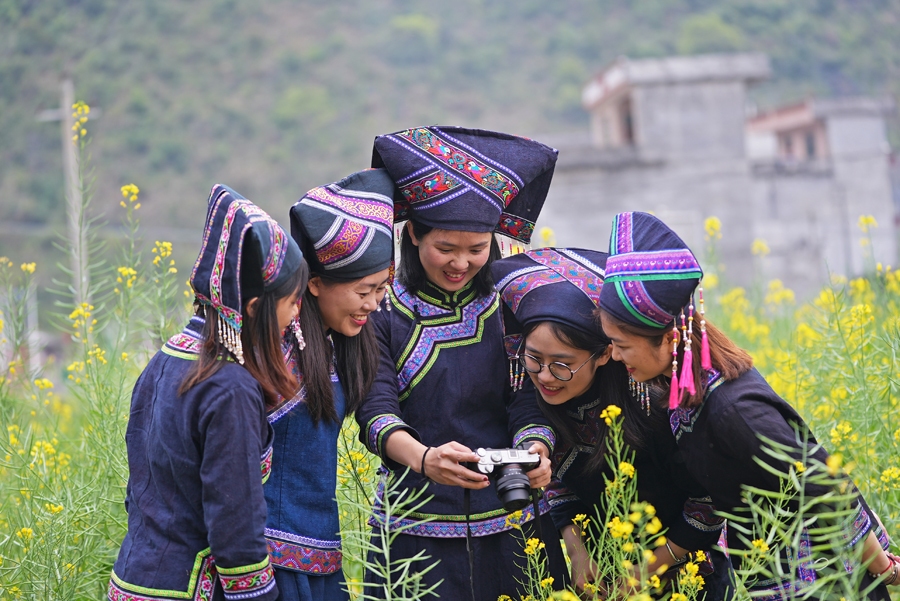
x=705 y=361
x=674 y=393
x=687 y=372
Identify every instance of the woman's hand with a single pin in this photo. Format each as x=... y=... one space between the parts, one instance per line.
x=584 y=570
x=540 y=476
x=442 y=465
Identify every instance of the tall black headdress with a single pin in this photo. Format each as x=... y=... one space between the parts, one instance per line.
x=467 y=179
x=244 y=253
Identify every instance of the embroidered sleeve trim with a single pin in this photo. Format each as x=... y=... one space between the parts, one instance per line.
x=303 y=554
x=856 y=526
x=377 y=429
x=246 y=582
x=536 y=432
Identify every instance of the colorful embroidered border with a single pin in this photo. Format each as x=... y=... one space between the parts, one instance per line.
x=246 y=582
x=465 y=326
x=515 y=227
x=467 y=163
x=785 y=588
x=637 y=300
x=536 y=432
x=266 y=464
x=652 y=265
x=200 y=584
x=424 y=304
x=856 y=526
x=378 y=427
x=303 y=554
x=582 y=278
x=343 y=244
x=429 y=187
x=681 y=419
x=438 y=528
x=374 y=209
x=622 y=240
x=527 y=280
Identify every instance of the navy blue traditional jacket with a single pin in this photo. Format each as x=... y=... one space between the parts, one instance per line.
x=303 y=525
x=197 y=463
x=720 y=442
x=444 y=375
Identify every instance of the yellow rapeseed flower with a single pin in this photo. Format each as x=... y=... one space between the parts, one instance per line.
x=618 y=528
x=547 y=582
x=866 y=222
x=713 y=227
x=627 y=470
x=28 y=267
x=799 y=467
x=761 y=546
x=760 y=247
x=25 y=534
x=610 y=413
x=653 y=526
x=532 y=545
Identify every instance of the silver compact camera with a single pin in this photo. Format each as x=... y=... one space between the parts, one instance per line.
x=507 y=468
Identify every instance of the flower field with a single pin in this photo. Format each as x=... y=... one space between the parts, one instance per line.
x=63 y=467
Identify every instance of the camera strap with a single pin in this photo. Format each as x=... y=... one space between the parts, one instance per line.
x=466 y=498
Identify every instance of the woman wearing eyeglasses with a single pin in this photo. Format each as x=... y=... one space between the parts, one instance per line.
x=550 y=296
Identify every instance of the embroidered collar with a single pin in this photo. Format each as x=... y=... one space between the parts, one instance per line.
x=447 y=300
x=682 y=420
x=577 y=407
x=186 y=344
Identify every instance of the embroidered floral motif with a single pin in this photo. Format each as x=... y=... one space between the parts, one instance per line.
x=448 y=153
x=266 y=464
x=517 y=228
x=247 y=582
x=429 y=187
x=565 y=266
x=639 y=303
x=303 y=554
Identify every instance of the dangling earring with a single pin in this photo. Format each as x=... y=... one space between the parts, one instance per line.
x=687 y=367
x=230 y=338
x=640 y=393
x=387 y=299
x=298 y=333
x=705 y=361
x=674 y=391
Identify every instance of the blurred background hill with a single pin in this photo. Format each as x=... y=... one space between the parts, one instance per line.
x=274 y=98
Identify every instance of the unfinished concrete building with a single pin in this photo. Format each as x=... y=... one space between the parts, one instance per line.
x=672 y=136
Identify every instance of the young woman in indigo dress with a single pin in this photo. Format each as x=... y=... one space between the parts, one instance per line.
x=550 y=296
x=345 y=232
x=199 y=445
x=719 y=405
x=442 y=388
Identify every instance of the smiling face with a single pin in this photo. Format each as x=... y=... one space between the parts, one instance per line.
x=345 y=306
x=643 y=360
x=544 y=345
x=452 y=258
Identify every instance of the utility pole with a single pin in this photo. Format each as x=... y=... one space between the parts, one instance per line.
x=74 y=206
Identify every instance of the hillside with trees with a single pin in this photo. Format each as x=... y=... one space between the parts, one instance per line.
x=276 y=97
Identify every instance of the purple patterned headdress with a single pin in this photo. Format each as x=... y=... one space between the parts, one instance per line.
x=549 y=284
x=651 y=276
x=244 y=253
x=467 y=179
x=344 y=228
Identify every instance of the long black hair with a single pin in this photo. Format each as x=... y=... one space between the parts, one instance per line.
x=412 y=273
x=611 y=381
x=260 y=339
x=356 y=358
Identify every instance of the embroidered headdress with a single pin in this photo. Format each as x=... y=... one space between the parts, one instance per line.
x=467 y=179
x=651 y=276
x=244 y=253
x=344 y=228
x=549 y=284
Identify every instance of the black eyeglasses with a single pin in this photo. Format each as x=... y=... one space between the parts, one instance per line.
x=558 y=370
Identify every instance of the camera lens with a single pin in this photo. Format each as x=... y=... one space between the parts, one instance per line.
x=513 y=487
